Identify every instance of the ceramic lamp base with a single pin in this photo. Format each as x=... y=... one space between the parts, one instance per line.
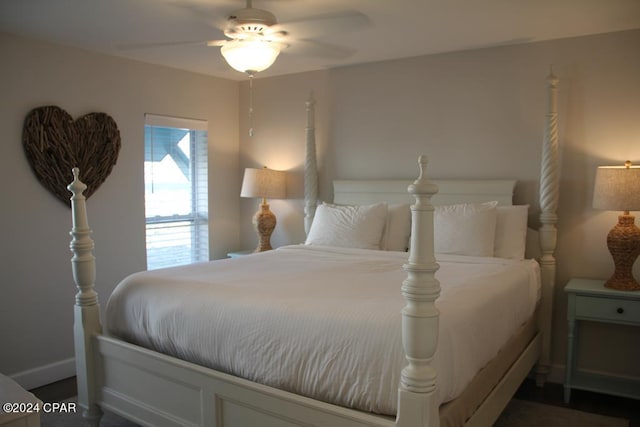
x=623 y=242
x=264 y=222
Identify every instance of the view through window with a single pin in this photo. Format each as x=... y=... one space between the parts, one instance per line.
x=175 y=178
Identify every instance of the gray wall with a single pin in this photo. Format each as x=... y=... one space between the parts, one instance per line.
x=476 y=113
x=37 y=290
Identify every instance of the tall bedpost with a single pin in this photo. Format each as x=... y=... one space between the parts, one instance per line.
x=310 y=167
x=86 y=310
x=549 y=192
x=417 y=404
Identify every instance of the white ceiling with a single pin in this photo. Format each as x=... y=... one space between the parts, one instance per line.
x=387 y=29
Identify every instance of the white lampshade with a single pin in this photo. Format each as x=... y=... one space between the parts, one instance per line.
x=250 y=55
x=265 y=183
x=617 y=188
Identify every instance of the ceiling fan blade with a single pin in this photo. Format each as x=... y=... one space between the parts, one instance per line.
x=137 y=46
x=322 y=25
x=319 y=49
x=216 y=42
x=140 y=46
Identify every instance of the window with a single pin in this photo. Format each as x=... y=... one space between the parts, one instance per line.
x=175 y=198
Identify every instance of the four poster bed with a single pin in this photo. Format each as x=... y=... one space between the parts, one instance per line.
x=342 y=330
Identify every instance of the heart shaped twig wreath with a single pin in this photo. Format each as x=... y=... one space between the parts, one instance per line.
x=55 y=144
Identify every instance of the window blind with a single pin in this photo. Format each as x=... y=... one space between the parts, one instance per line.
x=176 y=196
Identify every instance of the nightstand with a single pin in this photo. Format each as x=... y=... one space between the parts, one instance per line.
x=238 y=254
x=590 y=300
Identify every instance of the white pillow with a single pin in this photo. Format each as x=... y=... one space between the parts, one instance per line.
x=348 y=226
x=465 y=229
x=511 y=231
x=398 y=228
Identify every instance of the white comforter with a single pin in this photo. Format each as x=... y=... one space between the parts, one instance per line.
x=323 y=322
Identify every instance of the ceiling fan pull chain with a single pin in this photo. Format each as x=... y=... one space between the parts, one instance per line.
x=250 y=104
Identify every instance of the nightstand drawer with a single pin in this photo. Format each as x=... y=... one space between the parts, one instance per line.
x=610 y=309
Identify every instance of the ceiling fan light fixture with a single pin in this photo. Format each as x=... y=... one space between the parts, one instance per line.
x=250 y=55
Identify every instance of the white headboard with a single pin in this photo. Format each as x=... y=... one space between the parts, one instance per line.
x=361 y=192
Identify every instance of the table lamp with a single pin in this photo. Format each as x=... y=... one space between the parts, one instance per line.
x=618 y=188
x=264 y=183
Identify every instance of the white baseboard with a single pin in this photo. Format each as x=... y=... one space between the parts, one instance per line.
x=43 y=375
x=556 y=374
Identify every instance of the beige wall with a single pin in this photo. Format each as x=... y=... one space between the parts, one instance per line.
x=37 y=291
x=476 y=113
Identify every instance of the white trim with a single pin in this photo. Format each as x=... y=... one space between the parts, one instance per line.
x=557 y=373
x=175 y=122
x=46 y=374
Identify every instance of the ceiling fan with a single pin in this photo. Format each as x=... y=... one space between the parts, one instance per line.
x=254 y=38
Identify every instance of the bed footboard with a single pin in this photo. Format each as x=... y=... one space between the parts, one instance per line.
x=156 y=389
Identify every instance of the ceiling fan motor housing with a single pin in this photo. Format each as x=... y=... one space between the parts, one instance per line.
x=249 y=21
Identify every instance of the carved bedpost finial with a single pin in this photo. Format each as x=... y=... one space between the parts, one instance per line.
x=552 y=82
x=552 y=78
x=423 y=160
x=77 y=187
x=310 y=104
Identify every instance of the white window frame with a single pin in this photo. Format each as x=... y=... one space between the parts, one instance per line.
x=197 y=221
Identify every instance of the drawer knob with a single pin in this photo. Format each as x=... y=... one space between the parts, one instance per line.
x=620 y=310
